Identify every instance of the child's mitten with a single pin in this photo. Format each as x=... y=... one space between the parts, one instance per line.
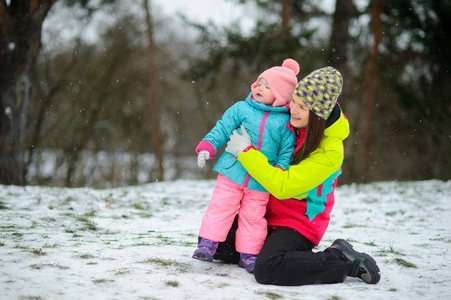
x=202 y=157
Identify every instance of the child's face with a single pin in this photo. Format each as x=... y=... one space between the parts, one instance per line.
x=299 y=112
x=262 y=93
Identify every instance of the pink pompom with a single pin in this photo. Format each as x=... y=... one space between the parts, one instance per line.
x=291 y=64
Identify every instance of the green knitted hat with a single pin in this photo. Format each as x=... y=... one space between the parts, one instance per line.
x=319 y=90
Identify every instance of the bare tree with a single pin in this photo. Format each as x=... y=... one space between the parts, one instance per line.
x=54 y=88
x=345 y=10
x=20 y=42
x=369 y=90
x=287 y=9
x=152 y=94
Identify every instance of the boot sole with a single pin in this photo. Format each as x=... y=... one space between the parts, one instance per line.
x=202 y=257
x=368 y=263
x=248 y=269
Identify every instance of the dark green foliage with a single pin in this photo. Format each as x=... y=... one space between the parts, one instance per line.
x=417 y=65
x=101 y=104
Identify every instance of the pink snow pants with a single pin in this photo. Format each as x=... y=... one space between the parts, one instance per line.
x=227 y=198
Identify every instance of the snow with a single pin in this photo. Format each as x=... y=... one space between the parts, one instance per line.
x=136 y=243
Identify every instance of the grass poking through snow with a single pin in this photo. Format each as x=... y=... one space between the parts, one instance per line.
x=137 y=242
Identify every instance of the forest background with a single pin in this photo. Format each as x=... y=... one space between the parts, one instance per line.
x=129 y=106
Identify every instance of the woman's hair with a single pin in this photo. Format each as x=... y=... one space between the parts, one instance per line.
x=314 y=135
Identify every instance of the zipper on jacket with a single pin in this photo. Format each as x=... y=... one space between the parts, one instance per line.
x=260 y=141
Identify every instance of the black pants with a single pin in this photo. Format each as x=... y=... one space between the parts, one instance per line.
x=287 y=259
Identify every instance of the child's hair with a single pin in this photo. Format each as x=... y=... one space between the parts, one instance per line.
x=282 y=81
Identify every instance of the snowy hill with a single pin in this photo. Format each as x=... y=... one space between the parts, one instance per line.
x=137 y=242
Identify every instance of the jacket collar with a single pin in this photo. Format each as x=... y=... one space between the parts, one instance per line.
x=338 y=126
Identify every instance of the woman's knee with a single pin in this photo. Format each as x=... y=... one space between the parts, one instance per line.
x=260 y=274
x=264 y=268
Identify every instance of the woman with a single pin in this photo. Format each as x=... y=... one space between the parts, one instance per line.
x=298 y=211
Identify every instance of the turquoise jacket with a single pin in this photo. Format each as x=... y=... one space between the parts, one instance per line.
x=267 y=128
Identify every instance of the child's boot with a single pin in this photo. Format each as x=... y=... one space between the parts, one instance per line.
x=247 y=261
x=205 y=250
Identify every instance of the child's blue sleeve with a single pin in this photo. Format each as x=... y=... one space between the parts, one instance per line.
x=220 y=133
x=286 y=149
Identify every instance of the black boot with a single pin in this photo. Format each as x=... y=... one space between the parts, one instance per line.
x=363 y=265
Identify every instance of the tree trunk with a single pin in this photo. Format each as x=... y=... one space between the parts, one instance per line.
x=344 y=12
x=153 y=101
x=20 y=42
x=371 y=74
x=339 y=46
x=287 y=10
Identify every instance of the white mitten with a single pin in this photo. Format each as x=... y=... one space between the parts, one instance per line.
x=237 y=142
x=202 y=157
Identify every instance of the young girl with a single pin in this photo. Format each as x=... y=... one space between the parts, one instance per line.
x=265 y=115
x=299 y=222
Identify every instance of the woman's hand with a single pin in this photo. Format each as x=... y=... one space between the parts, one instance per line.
x=237 y=142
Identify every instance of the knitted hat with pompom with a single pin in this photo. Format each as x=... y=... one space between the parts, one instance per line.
x=282 y=81
x=320 y=90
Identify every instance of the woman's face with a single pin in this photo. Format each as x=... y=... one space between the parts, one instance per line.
x=299 y=112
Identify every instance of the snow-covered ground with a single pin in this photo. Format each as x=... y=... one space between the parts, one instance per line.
x=137 y=242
